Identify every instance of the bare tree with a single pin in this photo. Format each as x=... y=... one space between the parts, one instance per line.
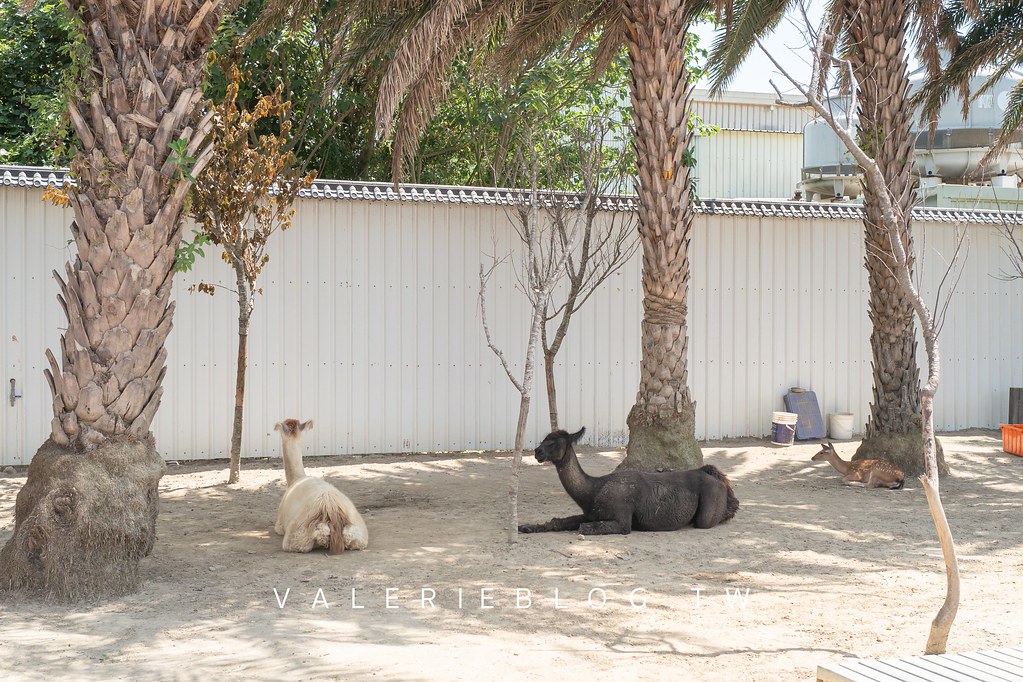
x=892 y=209
x=538 y=273
x=1013 y=250
x=606 y=243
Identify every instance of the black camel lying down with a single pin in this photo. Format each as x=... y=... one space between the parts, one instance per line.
x=624 y=501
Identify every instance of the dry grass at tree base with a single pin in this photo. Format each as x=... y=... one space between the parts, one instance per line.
x=832 y=572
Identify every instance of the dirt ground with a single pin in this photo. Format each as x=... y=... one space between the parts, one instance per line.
x=817 y=572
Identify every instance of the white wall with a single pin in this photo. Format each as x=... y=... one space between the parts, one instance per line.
x=732 y=164
x=370 y=325
x=758 y=151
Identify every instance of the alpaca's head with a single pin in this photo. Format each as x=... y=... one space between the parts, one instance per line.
x=556 y=444
x=292 y=428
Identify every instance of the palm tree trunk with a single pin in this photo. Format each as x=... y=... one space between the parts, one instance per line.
x=87 y=514
x=878 y=30
x=245 y=304
x=662 y=422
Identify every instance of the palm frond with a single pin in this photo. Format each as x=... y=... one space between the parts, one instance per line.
x=426 y=92
x=536 y=33
x=1012 y=122
x=750 y=20
x=996 y=39
x=610 y=21
x=430 y=36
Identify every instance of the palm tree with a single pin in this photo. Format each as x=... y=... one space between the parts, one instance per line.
x=874 y=33
x=655 y=35
x=993 y=40
x=87 y=513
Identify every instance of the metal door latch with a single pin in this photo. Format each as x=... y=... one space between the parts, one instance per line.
x=14 y=392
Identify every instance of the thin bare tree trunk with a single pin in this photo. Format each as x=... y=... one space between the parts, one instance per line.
x=520 y=443
x=937 y=638
x=245 y=304
x=552 y=391
x=901 y=259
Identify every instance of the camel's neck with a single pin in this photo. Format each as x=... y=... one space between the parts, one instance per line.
x=293 y=469
x=578 y=484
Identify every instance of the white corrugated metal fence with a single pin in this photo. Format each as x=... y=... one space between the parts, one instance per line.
x=370 y=325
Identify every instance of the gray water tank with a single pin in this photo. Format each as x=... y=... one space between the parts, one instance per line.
x=958 y=146
x=829 y=170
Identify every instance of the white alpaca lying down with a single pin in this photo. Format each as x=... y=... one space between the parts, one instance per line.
x=313 y=513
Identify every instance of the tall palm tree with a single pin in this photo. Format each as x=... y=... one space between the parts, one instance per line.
x=655 y=35
x=874 y=41
x=87 y=513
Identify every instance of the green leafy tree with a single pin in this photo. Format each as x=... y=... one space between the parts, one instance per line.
x=331 y=110
x=479 y=126
x=245 y=196
x=42 y=56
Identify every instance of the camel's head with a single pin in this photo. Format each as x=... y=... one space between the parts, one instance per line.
x=556 y=444
x=292 y=428
x=826 y=450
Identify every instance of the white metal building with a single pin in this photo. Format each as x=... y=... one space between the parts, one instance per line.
x=758 y=151
x=370 y=325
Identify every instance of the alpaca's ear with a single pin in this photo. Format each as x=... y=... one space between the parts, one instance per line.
x=277 y=426
x=573 y=437
x=307 y=425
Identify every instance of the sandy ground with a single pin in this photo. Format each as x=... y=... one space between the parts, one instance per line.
x=823 y=572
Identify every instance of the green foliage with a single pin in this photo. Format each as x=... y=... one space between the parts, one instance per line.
x=42 y=56
x=184 y=257
x=470 y=141
x=991 y=43
x=473 y=137
x=181 y=161
x=332 y=133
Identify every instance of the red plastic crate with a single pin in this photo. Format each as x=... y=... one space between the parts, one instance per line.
x=1012 y=439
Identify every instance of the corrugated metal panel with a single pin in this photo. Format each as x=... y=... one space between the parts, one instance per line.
x=756 y=112
x=33 y=243
x=742 y=164
x=370 y=324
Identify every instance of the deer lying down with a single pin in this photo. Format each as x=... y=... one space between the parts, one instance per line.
x=869 y=473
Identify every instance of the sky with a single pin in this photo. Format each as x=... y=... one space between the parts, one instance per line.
x=786 y=44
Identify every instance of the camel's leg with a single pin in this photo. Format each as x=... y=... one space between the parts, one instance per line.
x=605 y=528
x=568 y=523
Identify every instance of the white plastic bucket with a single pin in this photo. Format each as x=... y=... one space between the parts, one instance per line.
x=783 y=427
x=840 y=425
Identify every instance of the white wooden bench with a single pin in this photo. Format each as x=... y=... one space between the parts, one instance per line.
x=997 y=665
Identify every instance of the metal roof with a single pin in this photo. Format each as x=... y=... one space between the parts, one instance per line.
x=29 y=176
